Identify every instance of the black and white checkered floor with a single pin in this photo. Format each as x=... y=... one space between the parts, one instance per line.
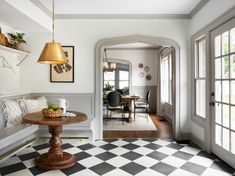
x=122 y=157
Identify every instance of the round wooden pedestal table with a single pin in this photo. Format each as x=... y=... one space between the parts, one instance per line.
x=55 y=158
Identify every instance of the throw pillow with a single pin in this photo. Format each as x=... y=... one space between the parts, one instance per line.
x=11 y=112
x=22 y=105
x=35 y=105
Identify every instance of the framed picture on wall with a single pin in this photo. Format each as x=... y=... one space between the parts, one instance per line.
x=64 y=73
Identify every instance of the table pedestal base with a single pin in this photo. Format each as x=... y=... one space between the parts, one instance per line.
x=44 y=162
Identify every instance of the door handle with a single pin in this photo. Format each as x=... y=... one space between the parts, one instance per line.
x=212 y=103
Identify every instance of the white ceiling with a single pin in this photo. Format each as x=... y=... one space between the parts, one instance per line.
x=17 y=20
x=122 y=6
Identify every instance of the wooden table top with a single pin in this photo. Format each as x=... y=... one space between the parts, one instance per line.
x=38 y=119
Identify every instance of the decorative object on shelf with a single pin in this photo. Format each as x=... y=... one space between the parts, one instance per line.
x=146 y=69
x=64 y=73
x=52 y=111
x=106 y=65
x=141 y=74
x=52 y=52
x=148 y=77
x=141 y=65
x=4 y=40
x=17 y=39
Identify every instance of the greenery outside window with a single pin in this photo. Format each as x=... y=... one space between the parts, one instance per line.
x=119 y=78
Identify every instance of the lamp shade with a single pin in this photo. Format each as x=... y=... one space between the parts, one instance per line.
x=52 y=54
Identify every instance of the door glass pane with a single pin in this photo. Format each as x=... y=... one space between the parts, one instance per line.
x=123 y=84
x=123 y=75
x=218 y=68
x=233 y=117
x=225 y=91
x=200 y=97
x=217 y=46
x=232 y=92
x=202 y=58
x=225 y=43
x=111 y=83
x=225 y=115
x=225 y=67
x=217 y=90
x=218 y=113
x=109 y=75
x=232 y=66
x=233 y=142
x=226 y=139
x=232 y=40
x=218 y=135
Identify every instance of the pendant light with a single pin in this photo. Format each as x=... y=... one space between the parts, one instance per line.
x=105 y=61
x=107 y=66
x=52 y=52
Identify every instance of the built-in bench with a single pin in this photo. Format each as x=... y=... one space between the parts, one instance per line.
x=13 y=138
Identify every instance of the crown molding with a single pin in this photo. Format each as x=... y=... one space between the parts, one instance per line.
x=122 y=16
x=193 y=12
x=42 y=7
x=198 y=7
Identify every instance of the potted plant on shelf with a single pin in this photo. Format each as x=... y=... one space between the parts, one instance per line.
x=17 y=39
x=108 y=88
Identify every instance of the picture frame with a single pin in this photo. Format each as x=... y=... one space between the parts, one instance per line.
x=63 y=73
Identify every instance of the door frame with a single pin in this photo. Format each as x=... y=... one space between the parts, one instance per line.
x=99 y=79
x=205 y=31
x=220 y=151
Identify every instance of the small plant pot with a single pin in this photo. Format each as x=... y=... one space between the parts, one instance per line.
x=20 y=46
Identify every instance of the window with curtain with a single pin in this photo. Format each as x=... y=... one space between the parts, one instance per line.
x=166 y=79
x=200 y=78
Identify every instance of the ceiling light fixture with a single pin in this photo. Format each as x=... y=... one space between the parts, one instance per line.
x=106 y=65
x=52 y=52
x=105 y=61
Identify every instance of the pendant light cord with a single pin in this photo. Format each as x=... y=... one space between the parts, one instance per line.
x=105 y=55
x=53 y=18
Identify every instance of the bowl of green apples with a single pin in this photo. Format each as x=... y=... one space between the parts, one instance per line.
x=52 y=111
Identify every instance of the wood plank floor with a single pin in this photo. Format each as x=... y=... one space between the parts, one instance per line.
x=164 y=131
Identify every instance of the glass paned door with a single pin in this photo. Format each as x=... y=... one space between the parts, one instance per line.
x=223 y=86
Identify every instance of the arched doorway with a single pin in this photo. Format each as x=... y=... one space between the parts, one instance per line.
x=131 y=39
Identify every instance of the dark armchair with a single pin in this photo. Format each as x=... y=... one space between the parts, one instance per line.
x=115 y=103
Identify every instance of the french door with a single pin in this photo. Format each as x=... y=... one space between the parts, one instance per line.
x=223 y=91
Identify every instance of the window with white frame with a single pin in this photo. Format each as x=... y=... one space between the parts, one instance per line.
x=119 y=77
x=166 y=79
x=200 y=78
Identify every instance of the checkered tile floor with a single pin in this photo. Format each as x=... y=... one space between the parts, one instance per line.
x=122 y=157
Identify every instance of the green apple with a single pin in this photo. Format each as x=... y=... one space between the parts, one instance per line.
x=53 y=106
